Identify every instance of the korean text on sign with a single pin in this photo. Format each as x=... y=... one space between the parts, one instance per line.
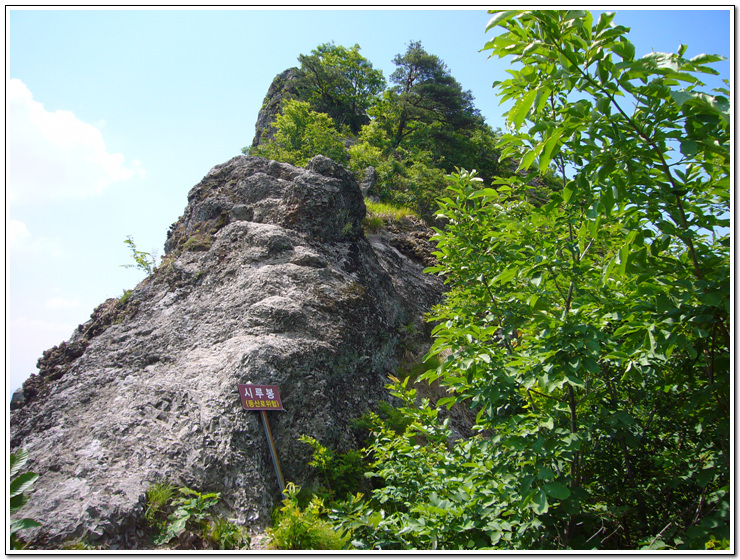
x=260 y=397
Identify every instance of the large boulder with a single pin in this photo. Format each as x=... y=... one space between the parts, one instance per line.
x=268 y=278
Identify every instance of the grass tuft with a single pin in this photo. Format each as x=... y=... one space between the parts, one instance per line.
x=381 y=213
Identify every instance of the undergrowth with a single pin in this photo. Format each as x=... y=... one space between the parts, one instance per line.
x=187 y=517
x=303 y=529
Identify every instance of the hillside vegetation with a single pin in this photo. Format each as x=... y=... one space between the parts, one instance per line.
x=413 y=131
x=587 y=323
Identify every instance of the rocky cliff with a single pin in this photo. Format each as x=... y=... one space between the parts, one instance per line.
x=268 y=278
x=284 y=86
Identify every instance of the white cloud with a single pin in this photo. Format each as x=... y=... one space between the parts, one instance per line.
x=27 y=340
x=18 y=234
x=57 y=303
x=20 y=240
x=55 y=155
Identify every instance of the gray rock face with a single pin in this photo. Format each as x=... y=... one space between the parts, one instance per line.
x=283 y=86
x=268 y=278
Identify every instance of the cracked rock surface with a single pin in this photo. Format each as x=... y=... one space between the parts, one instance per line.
x=268 y=278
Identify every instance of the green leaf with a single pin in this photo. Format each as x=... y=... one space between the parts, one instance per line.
x=501 y=18
x=568 y=191
x=707 y=58
x=17 y=502
x=625 y=50
x=21 y=483
x=681 y=97
x=528 y=158
x=539 y=503
x=25 y=523
x=556 y=490
x=505 y=276
x=17 y=461
x=521 y=108
x=550 y=144
x=689 y=148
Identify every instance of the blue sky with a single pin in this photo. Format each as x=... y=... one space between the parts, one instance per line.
x=113 y=115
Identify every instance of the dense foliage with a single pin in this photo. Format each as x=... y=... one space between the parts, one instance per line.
x=302 y=133
x=303 y=529
x=587 y=323
x=341 y=83
x=590 y=331
x=412 y=133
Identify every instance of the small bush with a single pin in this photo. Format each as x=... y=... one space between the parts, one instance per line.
x=226 y=535
x=342 y=473
x=125 y=297
x=191 y=511
x=300 y=134
x=297 y=529
x=171 y=517
x=146 y=262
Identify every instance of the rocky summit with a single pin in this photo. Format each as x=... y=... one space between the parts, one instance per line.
x=268 y=278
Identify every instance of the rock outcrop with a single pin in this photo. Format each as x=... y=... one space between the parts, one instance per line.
x=284 y=86
x=268 y=278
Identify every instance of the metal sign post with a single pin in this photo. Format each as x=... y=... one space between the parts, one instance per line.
x=273 y=453
x=263 y=398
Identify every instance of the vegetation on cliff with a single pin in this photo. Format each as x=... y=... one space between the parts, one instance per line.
x=588 y=327
x=412 y=132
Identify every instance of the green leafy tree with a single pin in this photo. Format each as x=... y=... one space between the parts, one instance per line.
x=592 y=333
x=340 y=82
x=300 y=134
x=420 y=129
x=426 y=93
x=590 y=330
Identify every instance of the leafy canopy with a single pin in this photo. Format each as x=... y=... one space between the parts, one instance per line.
x=300 y=134
x=411 y=133
x=340 y=82
x=589 y=331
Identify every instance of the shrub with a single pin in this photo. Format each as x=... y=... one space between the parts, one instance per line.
x=342 y=473
x=227 y=535
x=125 y=297
x=146 y=262
x=170 y=518
x=297 y=529
x=191 y=511
x=302 y=134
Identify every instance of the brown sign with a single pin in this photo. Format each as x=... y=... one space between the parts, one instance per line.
x=260 y=397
